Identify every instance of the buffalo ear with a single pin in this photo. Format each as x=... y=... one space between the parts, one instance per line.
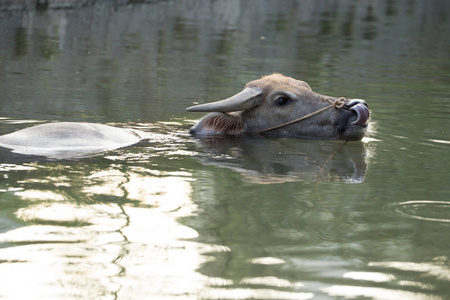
x=246 y=99
x=218 y=123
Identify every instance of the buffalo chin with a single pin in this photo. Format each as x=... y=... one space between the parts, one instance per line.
x=354 y=132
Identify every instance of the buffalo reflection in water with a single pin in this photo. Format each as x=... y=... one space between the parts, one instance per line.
x=275 y=160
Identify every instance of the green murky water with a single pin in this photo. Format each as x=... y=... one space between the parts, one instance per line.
x=250 y=218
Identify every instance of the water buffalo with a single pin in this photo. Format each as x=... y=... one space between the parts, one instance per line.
x=274 y=103
x=282 y=105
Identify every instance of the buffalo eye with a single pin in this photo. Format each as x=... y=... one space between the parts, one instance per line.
x=282 y=101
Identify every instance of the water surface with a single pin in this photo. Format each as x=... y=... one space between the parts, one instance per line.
x=256 y=217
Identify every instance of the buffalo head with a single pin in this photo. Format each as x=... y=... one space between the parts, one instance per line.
x=274 y=100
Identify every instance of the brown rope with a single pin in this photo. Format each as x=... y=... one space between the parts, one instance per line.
x=338 y=104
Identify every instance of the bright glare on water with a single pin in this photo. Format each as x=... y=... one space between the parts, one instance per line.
x=252 y=217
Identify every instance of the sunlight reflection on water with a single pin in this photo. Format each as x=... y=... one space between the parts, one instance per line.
x=107 y=241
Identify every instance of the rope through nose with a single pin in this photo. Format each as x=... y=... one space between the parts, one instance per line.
x=337 y=104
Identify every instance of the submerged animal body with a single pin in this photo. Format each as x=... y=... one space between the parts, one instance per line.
x=68 y=139
x=285 y=106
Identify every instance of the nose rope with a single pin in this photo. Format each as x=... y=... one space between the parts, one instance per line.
x=338 y=104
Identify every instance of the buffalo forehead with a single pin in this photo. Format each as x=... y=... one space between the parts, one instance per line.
x=278 y=82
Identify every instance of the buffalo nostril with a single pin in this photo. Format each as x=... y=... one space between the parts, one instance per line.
x=362 y=113
x=355 y=102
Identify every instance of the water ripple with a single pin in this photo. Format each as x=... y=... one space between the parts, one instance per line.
x=428 y=210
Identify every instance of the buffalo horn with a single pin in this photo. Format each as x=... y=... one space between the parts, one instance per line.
x=243 y=100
